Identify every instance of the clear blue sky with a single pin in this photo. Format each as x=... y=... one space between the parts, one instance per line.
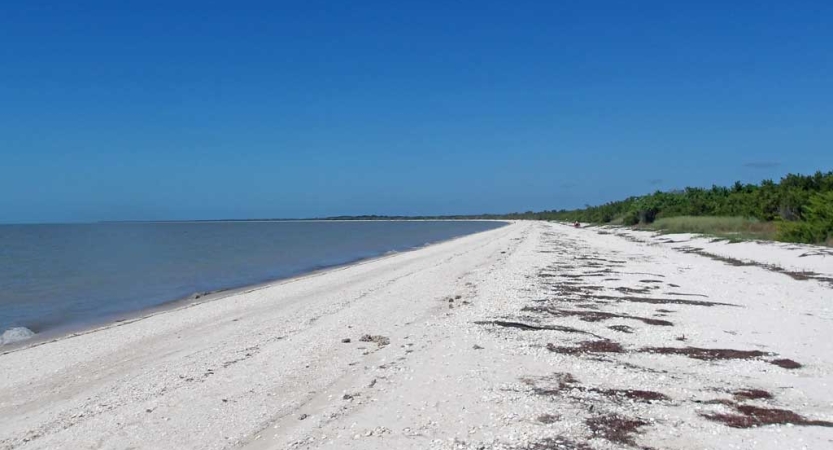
x=195 y=110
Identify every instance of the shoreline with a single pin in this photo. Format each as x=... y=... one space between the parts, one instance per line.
x=532 y=335
x=300 y=220
x=67 y=331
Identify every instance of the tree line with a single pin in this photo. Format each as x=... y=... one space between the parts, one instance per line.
x=801 y=205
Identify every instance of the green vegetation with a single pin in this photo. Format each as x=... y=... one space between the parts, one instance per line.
x=817 y=225
x=734 y=228
x=799 y=208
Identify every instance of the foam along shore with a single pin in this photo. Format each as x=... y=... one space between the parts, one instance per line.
x=15 y=334
x=533 y=335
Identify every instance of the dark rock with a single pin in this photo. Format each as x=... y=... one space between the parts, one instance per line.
x=380 y=340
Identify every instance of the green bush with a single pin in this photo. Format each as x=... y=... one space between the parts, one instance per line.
x=817 y=226
x=647 y=216
x=630 y=218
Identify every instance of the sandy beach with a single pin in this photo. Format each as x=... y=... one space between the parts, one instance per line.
x=531 y=336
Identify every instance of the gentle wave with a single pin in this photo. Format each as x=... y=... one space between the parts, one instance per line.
x=16 y=334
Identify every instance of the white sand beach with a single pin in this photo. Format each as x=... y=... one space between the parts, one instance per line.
x=531 y=336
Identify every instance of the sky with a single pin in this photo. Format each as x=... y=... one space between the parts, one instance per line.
x=209 y=110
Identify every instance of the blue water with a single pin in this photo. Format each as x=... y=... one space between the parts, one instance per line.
x=63 y=276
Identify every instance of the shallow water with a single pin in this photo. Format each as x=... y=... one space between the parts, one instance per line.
x=61 y=276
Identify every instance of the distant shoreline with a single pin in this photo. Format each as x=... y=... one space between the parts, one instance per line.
x=356 y=219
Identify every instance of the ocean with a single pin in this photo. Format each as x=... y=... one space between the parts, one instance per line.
x=61 y=277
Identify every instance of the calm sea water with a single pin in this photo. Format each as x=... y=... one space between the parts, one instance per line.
x=61 y=276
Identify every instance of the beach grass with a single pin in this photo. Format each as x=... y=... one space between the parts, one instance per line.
x=732 y=228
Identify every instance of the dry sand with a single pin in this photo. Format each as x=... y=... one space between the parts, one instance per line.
x=532 y=336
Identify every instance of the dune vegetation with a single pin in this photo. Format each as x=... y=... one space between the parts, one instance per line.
x=739 y=228
x=798 y=208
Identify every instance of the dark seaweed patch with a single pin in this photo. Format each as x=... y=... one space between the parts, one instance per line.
x=556 y=443
x=786 y=363
x=591 y=258
x=725 y=259
x=631 y=394
x=751 y=394
x=587 y=306
x=596 y=316
x=818 y=252
x=753 y=416
x=599 y=272
x=615 y=428
x=561 y=382
x=566 y=288
x=802 y=276
x=718 y=401
x=601 y=346
x=530 y=327
x=662 y=301
x=627 y=290
x=706 y=354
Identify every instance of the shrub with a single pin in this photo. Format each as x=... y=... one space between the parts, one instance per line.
x=817 y=226
x=648 y=215
x=630 y=218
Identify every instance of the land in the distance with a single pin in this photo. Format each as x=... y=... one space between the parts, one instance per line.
x=799 y=208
